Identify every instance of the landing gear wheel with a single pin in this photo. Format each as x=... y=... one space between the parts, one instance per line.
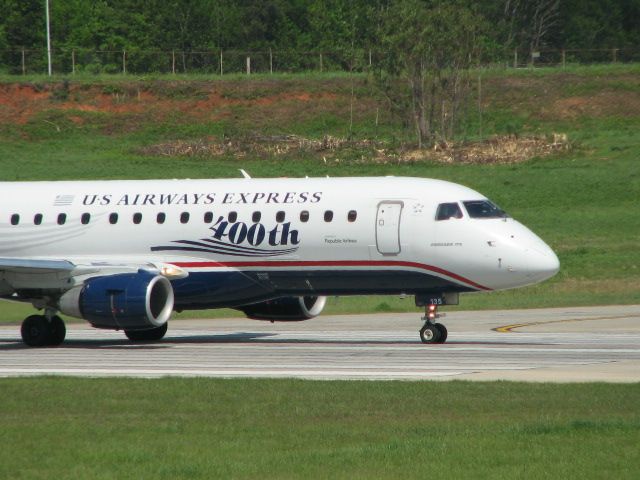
x=146 y=335
x=36 y=331
x=442 y=332
x=58 y=331
x=429 y=333
x=432 y=332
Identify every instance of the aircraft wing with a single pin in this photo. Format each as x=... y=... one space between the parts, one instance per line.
x=22 y=265
x=60 y=275
x=23 y=273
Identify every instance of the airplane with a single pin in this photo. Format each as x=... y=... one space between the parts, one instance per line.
x=124 y=254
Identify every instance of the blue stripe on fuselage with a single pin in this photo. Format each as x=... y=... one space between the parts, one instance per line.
x=235 y=288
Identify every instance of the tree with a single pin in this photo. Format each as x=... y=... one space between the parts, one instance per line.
x=349 y=21
x=22 y=25
x=595 y=24
x=431 y=47
x=526 y=24
x=4 y=45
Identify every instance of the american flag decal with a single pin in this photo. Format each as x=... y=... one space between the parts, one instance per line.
x=63 y=200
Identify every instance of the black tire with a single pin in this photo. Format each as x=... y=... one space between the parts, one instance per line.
x=35 y=331
x=442 y=332
x=153 y=334
x=429 y=333
x=58 y=331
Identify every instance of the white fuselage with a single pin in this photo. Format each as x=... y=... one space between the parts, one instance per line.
x=292 y=236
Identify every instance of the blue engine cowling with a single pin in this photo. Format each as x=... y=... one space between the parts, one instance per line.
x=285 y=309
x=127 y=301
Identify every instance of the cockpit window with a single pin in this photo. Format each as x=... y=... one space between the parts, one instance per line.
x=448 y=210
x=484 y=209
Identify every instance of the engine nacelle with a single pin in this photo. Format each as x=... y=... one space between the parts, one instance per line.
x=128 y=301
x=286 y=309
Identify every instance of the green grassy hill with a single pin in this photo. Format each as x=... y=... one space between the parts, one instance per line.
x=581 y=198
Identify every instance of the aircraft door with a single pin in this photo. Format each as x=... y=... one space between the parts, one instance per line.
x=388 y=227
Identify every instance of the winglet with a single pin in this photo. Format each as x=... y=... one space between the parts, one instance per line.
x=244 y=174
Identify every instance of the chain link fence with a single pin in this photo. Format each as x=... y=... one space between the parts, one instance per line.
x=565 y=57
x=19 y=61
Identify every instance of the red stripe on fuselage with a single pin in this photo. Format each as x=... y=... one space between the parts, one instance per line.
x=333 y=263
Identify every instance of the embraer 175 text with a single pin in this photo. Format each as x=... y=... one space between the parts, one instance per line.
x=124 y=254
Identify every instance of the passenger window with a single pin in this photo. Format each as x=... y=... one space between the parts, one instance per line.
x=328 y=215
x=161 y=217
x=255 y=218
x=137 y=218
x=62 y=218
x=280 y=216
x=208 y=217
x=352 y=215
x=37 y=219
x=304 y=216
x=184 y=217
x=448 y=210
x=15 y=219
x=113 y=218
x=233 y=216
x=85 y=218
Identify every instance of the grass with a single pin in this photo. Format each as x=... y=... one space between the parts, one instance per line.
x=582 y=202
x=90 y=79
x=205 y=428
x=594 y=70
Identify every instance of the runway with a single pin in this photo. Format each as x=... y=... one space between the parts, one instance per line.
x=546 y=345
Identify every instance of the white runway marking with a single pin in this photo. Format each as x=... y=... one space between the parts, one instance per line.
x=353 y=347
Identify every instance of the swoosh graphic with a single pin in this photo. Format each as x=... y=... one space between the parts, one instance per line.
x=218 y=242
x=223 y=248
x=197 y=249
x=23 y=241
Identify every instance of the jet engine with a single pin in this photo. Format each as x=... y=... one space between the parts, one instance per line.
x=127 y=301
x=286 y=309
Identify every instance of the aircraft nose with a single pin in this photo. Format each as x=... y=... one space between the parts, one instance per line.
x=543 y=263
x=532 y=257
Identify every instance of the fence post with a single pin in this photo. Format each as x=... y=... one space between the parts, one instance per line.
x=515 y=58
x=173 y=62
x=24 y=67
x=480 y=103
x=270 y=61
x=321 y=62
x=248 y=65
x=73 y=61
x=369 y=57
x=124 y=62
x=221 y=71
x=564 y=58
x=614 y=55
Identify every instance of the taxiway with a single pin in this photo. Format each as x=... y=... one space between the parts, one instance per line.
x=550 y=345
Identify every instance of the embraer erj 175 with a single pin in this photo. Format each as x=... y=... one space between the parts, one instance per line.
x=124 y=254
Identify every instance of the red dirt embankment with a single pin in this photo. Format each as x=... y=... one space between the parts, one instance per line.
x=21 y=102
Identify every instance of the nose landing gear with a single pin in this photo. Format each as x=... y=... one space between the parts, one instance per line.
x=432 y=332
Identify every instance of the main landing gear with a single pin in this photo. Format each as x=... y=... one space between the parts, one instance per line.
x=43 y=330
x=48 y=330
x=432 y=332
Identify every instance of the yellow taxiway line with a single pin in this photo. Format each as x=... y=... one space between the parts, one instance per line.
x=511 y=328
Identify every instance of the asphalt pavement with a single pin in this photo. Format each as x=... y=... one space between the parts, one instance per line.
x=581 y=344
